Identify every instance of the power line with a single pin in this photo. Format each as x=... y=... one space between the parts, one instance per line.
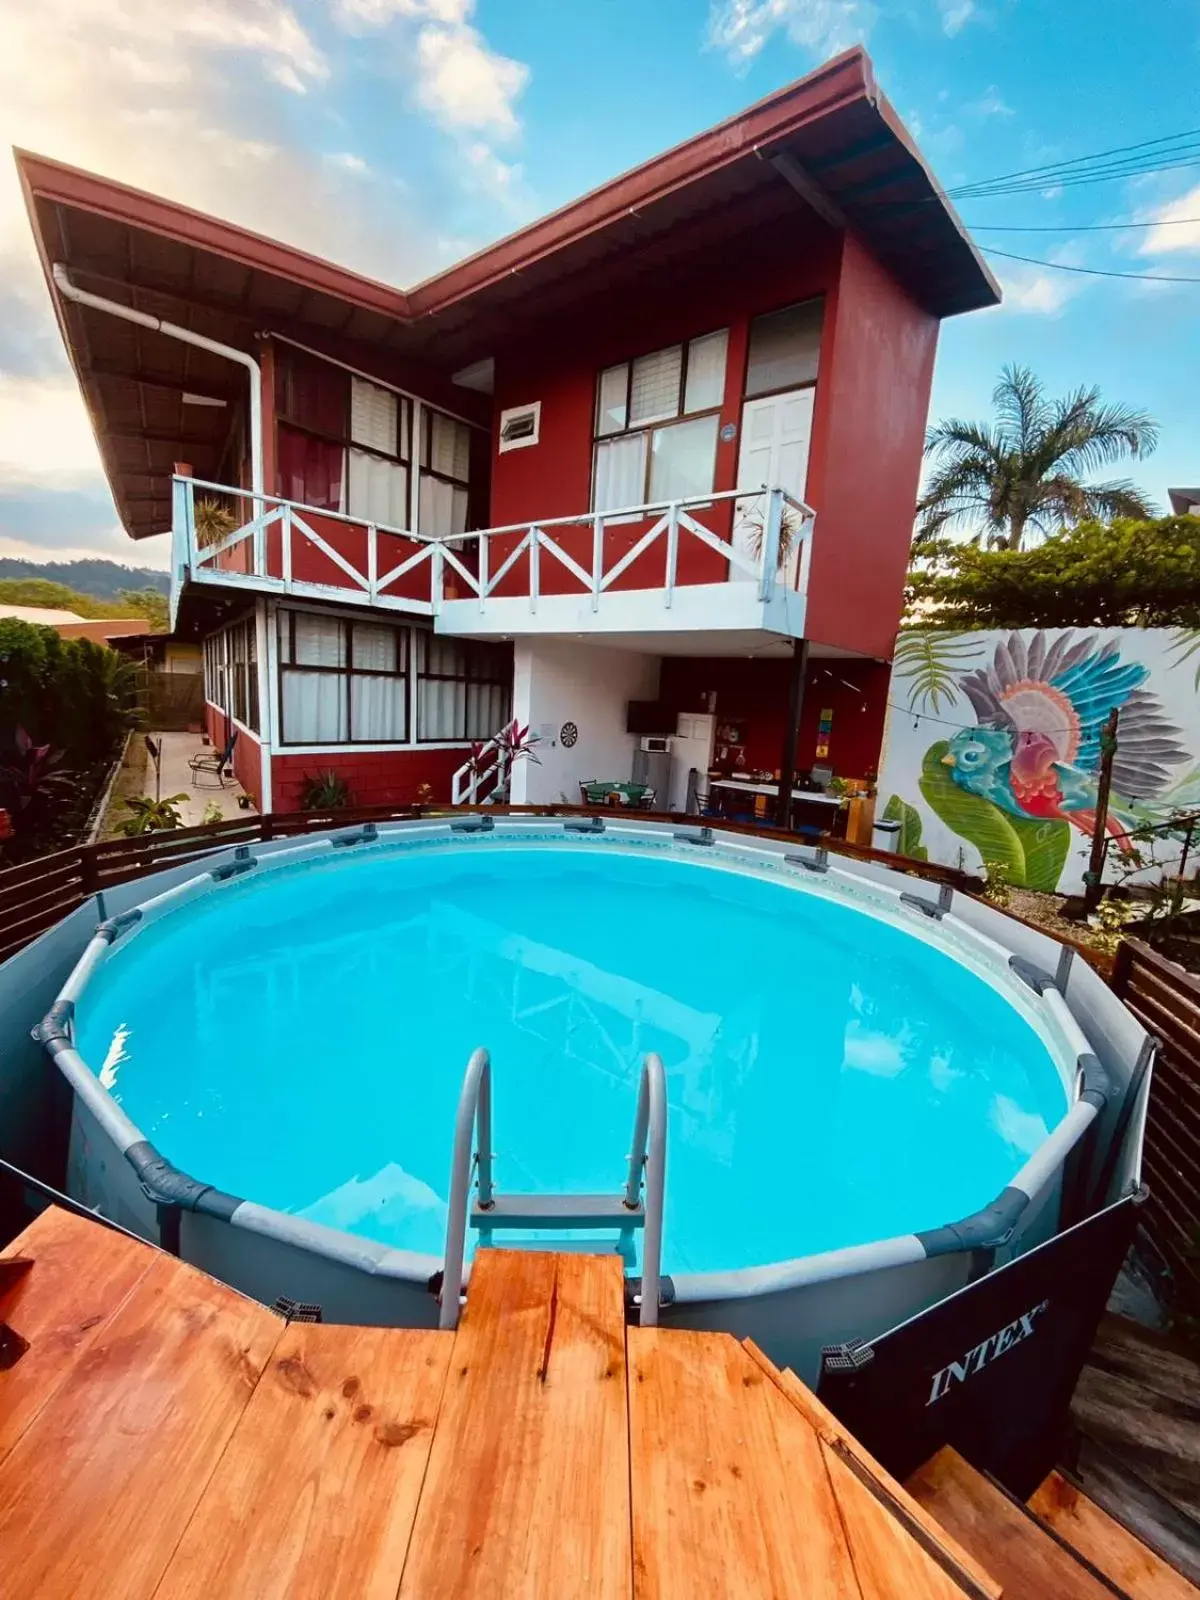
x=1096 y=155
x=1082 y=227
x=1088 y=272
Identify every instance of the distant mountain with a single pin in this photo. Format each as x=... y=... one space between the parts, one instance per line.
x=103 y=579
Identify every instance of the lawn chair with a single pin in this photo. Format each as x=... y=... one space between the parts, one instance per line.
x=213 y=763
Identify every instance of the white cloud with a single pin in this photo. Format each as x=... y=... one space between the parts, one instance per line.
x=466 y=85
x=991 y=104
x=195 y=101
x=1032 y=289
x=956 y=14
x=44 y=433
x=740 y=28
x=1181 y=233
x=347 y=161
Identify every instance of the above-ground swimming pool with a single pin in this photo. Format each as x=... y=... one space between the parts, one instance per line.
x=845 y=1064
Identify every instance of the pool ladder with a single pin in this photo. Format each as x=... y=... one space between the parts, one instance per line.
x=640 y=1205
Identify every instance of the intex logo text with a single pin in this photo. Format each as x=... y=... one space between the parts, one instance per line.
x=975 y=1360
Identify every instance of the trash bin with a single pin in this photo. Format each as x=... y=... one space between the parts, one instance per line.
x=885 y=836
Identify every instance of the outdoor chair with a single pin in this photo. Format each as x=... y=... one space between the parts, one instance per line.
x=213 y=763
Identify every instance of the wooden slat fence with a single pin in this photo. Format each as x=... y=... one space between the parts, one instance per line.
x=1166 y=1001
x=36 y=894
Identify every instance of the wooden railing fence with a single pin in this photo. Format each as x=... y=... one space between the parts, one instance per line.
x=34 y=895
x=1166 y=1001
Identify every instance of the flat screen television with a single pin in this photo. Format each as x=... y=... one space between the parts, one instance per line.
x=649 y=716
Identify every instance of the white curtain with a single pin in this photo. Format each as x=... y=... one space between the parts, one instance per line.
x=314 y=707
x=320 y=640
x=449 y=446
x=612 y=393
x=441 y=709
x=378 y=709
x=705 y=385
x=378 y=490
x=620 y=475
x=443 y=509
x=683 y=459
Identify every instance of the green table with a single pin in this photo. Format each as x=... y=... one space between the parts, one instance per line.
x=598 y=791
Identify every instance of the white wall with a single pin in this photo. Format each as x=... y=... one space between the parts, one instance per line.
x=956 y=819
x=564 y=680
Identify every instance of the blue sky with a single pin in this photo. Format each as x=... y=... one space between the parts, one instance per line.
x=397 y=135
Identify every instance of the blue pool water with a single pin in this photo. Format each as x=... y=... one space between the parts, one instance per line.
x=299 y=1040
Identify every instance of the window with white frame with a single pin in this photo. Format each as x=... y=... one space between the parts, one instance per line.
x=231 y=672
x=464 y=688
x=342 y=681
x=656 y=424
x=520 y=426
x=445 y=464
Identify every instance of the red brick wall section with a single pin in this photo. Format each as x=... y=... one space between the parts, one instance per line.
x=374 y=777
x=755 y=694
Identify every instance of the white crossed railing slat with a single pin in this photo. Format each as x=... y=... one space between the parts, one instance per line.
x=673 y=523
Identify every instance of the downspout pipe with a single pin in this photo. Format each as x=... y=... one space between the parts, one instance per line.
x=172 y=330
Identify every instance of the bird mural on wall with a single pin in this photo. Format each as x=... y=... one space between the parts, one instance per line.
x=1041 y=710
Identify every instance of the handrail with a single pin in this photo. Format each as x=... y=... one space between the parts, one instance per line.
x=647 y=1171
x=474 y=1115
x=300 y=525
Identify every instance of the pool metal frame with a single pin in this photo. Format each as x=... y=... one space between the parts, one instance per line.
x=1113 y=1058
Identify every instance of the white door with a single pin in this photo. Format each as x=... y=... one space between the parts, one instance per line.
x=776 y=433
x=691 y=747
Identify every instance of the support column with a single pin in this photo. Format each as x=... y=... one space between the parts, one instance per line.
x=791 y=732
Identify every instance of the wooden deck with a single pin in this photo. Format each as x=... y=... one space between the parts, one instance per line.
x=162 y=1436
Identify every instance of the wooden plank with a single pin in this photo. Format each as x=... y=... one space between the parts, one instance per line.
x=81 y=1273
x=730 y=1492
x=1119 y=1554
x=1029 y=1563
x=1115 y=1487
x=1144 y=956
x=831 y=1432
x=315 y=1496
x=888 y=1561
x=527 y=1489
x=95 y=1494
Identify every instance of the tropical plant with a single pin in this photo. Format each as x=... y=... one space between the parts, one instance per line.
x=929 y=663
x=1025 y=472
x=325 y=791
x=147 y=815
x=908 y=840
x=997 y=885
x=34 y=775
x=791 y=531
x=213 y=522
x=1097 y=575
x=212 y=813
x=1185 y=645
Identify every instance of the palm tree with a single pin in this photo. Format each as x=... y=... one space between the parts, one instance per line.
x=1025 y=471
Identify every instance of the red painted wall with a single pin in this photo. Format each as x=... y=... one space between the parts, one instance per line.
x=872 y=406
x=756 y=694
x=554 y=477
x=375 y=778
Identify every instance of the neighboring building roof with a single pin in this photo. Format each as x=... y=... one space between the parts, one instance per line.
x=1184 y=500
x=829 y=148
x=41 y=616
x=102 y=629
x=70 y=625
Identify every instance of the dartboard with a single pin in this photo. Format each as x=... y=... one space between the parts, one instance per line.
x=567 y=735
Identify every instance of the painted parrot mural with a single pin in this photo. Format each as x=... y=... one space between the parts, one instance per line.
x=1023 y=782
x=1036 y=751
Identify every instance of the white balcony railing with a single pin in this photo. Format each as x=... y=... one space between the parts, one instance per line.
x=279 y=545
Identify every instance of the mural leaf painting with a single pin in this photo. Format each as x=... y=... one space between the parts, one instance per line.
x=1185 y=643
x=1031 y=851
x=929 y=663
x=908 y=840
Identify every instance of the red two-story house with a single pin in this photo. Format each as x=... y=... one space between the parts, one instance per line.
x=658 y=450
